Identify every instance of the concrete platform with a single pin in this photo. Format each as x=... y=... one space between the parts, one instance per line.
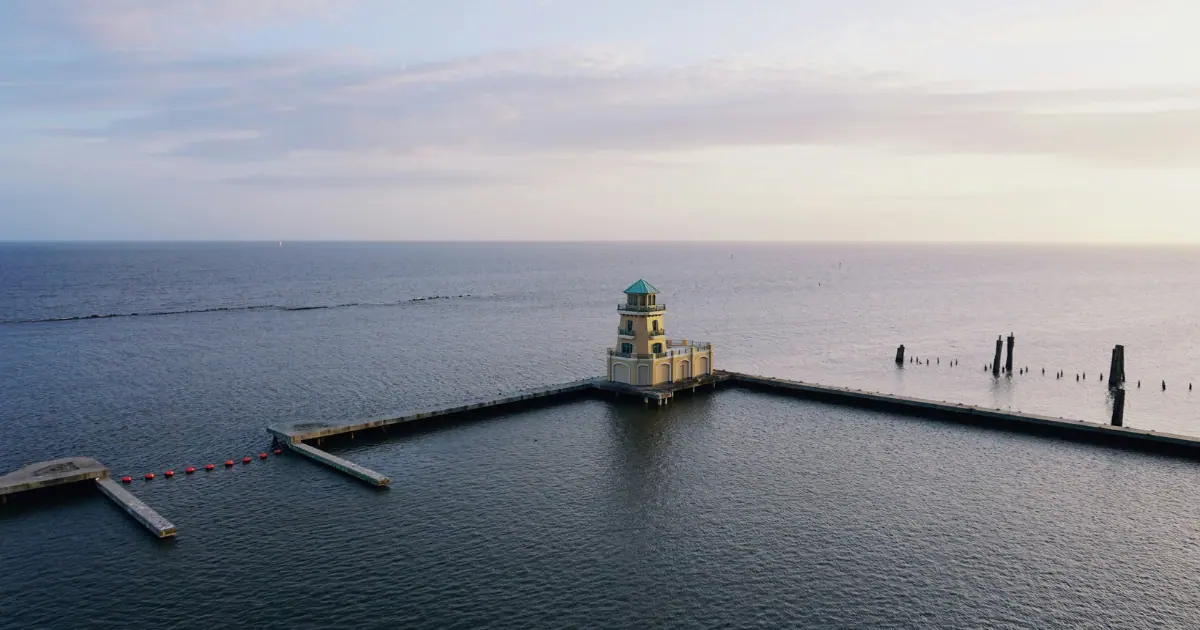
x=58 y=472
x=51 y=473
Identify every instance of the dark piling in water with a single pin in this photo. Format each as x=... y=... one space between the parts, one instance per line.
x=996 y=362
x=1008 y=362
x=1116 y=368
x=900 y=355
x=1118 y=415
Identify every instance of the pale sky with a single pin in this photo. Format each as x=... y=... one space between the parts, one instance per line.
x=855 y=120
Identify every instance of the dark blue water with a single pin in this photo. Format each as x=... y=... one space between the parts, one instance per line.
x=726 y=510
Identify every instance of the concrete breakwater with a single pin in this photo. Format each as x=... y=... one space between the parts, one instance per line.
x=298 y=437
x=305 y=438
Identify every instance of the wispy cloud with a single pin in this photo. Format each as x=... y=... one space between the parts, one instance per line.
x=139 y=24
x=227 y=106
x=269 y=108
x=403 y=179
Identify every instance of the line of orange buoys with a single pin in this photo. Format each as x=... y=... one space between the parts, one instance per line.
x=191 y=469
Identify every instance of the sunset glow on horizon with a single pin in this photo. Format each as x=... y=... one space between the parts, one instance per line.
x=869 y=120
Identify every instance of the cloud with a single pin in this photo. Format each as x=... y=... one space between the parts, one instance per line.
x=139 y=24
x=405 y=179
x=270 y=108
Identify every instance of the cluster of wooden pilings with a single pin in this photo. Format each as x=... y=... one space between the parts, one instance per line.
x=1116 y=372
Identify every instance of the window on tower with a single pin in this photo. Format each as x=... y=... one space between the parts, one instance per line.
x=627 y=348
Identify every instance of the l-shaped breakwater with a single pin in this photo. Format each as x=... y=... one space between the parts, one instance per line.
x=300 y=438
x=306 y=438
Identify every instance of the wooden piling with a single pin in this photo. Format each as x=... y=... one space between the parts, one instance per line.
x=1008 y=362
x=1118 y=415
x=1116 y=369
x=900 y=355
x=996 y=362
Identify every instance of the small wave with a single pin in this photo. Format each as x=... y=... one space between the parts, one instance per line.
x=231 y=309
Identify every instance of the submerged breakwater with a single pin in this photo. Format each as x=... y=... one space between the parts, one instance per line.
x=231 y=309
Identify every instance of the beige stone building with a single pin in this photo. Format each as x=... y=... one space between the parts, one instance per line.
x=643 y=354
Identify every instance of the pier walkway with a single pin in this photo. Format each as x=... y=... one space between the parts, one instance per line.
x=1079 y=430
x=295 y=437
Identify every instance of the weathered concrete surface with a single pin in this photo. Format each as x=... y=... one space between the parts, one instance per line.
x=337 y=463
x=958 y=412
x=295 y=436
x=312 y=430
x=75 y=469
x=52 y=473
x=141 y=512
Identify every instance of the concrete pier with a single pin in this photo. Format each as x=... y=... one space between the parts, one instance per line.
x=70 y=470
x=296 y=436
x=304 y=432
x=133 y=506
x=337 y=463
x=1077 y=430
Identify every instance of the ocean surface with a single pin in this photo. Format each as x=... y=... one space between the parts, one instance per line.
x=726 y=510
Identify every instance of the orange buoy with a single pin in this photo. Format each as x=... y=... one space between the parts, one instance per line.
x=126 y=479
x=169 y=473
x=278 y=451
x=149 y=476
x=246 y=459
x=228 y=463
x=208 y=467
x=262 y=455
x=190 y=470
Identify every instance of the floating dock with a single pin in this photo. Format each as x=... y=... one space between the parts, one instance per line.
x=70 y=470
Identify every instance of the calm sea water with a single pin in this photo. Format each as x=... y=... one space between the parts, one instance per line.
x=728 y=510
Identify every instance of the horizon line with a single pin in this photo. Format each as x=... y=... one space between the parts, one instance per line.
x=593 y=242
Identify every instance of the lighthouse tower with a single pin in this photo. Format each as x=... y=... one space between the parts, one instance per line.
x=643 y=354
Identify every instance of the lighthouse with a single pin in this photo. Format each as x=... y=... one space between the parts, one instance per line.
x=643 y=354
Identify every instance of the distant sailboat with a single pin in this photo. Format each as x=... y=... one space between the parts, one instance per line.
x=281 y=243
